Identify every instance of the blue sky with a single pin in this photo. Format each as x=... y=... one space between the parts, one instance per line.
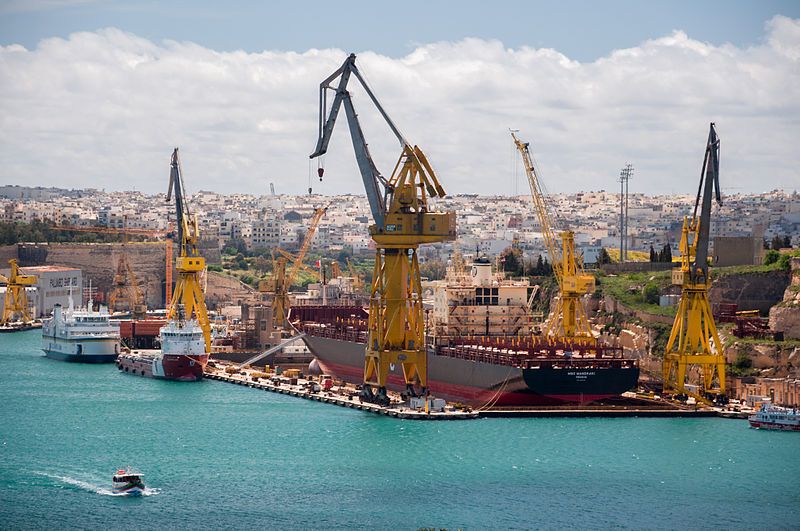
x=97 y=93
x=583 y=30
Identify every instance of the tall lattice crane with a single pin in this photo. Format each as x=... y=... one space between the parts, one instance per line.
x=403 y=222
x=569 y=320
x=694 y=341
x=282 y=279
x=15 y=306
x=188 y=294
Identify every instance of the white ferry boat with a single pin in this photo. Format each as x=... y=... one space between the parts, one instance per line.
x=771 y=417
x=85 y=336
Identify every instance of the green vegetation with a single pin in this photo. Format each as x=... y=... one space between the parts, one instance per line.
x=743 y=366
x=638 y=291
x=39 y=232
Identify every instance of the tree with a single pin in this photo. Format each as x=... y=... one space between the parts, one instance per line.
x=512 y=261
x=771 y=257
x=666 y=253
x=433 y=269
x=787 y=241
x=651 y=293
x=539 y=269
x=262 y=264
x=653 y=255
x=603 y=257
x=777 y=242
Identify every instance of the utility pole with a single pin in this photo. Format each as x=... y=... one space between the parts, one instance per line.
x=624 y=176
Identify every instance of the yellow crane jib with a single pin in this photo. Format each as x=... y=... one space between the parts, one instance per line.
x=402 y=222
x=15 y=305
x=570 y=321
x=694 y=342
x=188 y=294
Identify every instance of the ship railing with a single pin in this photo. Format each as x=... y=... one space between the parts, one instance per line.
x=525 y=360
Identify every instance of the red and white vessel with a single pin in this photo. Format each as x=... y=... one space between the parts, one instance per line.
x=770 y=417
x=182 y=357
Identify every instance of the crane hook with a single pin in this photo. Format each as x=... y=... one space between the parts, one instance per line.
x=320 y=172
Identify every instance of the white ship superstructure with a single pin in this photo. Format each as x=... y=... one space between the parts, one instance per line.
x=82 y=335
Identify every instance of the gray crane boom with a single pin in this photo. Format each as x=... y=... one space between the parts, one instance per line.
x=176 y=185
x=709 y=184
x=370 y=175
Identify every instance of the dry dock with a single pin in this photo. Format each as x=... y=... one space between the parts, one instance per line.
x=347 y=396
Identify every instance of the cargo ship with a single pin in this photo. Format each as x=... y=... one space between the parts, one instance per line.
x=83 y=336
x=482 y=347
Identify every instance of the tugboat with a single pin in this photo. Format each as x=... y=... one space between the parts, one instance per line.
x=182 y=357
x=128 y=482
x=769 y=417
x=84 y=336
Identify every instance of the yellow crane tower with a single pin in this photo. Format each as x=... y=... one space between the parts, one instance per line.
x=282 y=280
x=570 y=321
x=16 y=301
x=188 y=295
x=694 y=341
x=402 y=222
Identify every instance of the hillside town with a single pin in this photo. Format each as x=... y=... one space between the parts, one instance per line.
x=487 y=224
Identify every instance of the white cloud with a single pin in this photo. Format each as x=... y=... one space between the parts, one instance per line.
x=104 y=109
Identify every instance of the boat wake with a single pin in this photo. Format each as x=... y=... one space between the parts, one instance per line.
x=91 y=487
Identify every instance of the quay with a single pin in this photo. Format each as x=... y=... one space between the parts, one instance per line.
x=304 y=388
x=345 y=396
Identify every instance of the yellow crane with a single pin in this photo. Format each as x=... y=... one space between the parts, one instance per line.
x=402 y=222
x=188 y=297
x=15 y=306
x=282 y=279
x=694 y=341
x=125 y=293
x=569 y=321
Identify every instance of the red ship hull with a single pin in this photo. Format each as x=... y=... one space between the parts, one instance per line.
x=154 y=364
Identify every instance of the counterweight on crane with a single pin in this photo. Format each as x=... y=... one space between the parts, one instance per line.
x=569 y=321
x=15 y=306
x=694 y=341
x=402 y=221
x=188 y=295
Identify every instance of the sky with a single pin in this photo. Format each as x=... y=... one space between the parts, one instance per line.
x=97 y=93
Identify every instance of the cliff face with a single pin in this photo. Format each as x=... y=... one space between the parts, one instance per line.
x=785 y=316
x=98 y=261
x=751 y=291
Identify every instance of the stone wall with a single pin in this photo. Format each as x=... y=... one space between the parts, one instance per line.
x=7 y=252
x=223 y=290
x=98 y=261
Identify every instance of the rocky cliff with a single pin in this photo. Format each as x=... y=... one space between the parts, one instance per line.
x=785 y=316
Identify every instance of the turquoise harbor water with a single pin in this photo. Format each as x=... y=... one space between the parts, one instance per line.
x=223 y=456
